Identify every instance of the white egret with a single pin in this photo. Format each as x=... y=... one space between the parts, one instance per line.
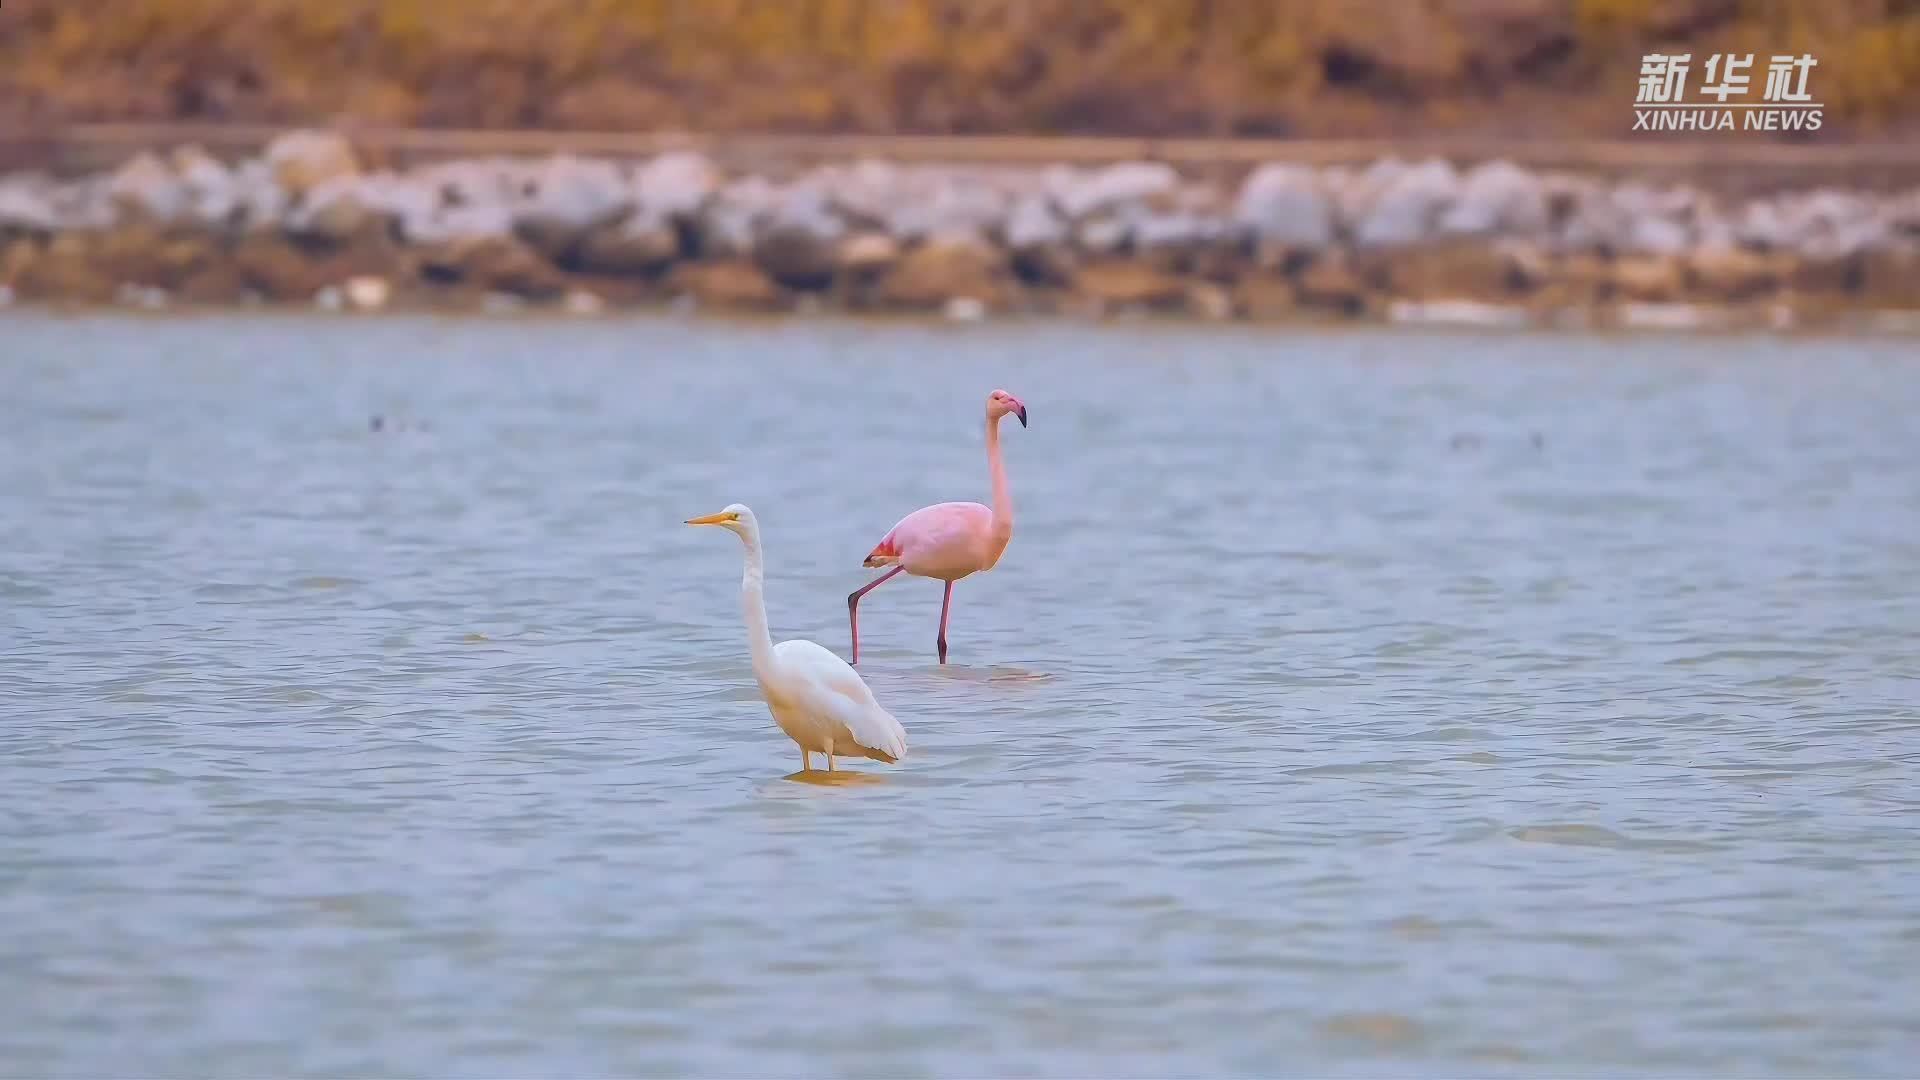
x=815 y=697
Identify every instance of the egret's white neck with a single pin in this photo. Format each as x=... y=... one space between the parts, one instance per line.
x=753 y=600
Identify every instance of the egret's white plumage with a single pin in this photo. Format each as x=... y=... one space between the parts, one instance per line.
x=816 y=697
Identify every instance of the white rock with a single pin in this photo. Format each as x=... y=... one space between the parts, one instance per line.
x=1657 y=236
x=1665 y=316
x=367 y=292
x=145 y=187
x=339 y=207
x=259 y=202
x=1283 y=206
x=449 y=224
x=677 y=183
x=1102 y=236
x=299 y=160
x=1032 y=224
x=214 y=196
x=1497 y=197
x=1408 y=206
x=1176 y=231
x=151 y=297
x=868 y=252
x=798 y=240
x=726 y=224
x=1456 y=313
x=565 y=197
x=965 y=309
x=24 y=208
x=1080 y=194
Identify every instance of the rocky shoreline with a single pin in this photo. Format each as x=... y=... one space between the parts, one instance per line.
x=308 y=223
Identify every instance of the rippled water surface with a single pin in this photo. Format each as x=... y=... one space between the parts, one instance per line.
x=1319 y=720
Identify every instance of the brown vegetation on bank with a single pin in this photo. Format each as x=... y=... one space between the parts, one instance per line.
x=1154 y=67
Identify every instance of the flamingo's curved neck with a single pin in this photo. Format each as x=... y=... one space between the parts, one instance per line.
x=1002 y=502
x=753 y=600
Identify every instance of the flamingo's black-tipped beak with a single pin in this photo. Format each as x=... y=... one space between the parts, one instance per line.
x=1021 y=412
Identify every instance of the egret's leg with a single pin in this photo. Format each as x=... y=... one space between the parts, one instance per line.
x=806 y=759
x=853 y=605
x=946 y=603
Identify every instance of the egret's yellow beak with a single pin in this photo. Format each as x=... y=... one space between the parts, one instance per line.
x=720 y=518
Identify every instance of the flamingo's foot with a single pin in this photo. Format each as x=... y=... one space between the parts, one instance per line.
x=837 y=778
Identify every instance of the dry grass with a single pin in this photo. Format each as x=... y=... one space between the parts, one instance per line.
x=1144 y=67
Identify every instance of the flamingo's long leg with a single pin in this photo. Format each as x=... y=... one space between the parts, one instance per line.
x=853 y=605
x=806 y=760
x=946 y=603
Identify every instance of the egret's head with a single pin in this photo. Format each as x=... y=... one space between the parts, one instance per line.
x=736 y=519
x=1000 y=403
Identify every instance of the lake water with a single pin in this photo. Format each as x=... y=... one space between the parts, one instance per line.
x=1319 y=720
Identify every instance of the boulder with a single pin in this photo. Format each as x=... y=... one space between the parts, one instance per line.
x=458 y=222
x=726 y=284
x=1657 y=236
x=1082 y=193
x=1460 y=270
x=140 y=255
x=1890 y=277
x=1129 y=284
x=1210 y=301
x=259 y=203
x=1039 y=242
x=1648 y=278
x=1735 y=275
x=145 y=189
x=944 y=202
x=798 y=243
x=301 y=160
x=66 y=271
x=1497 y=198
x=1456 y=313
x=278 y=270
x=213 y=195
x=475 y=245
x=644 y=243
x=1332 y=283
x=346 y=208
x=677 y=184
x=14 y=257
x=218 y=282
x=1181 y=241
x=1901 y=214
x=1103 y=237
x=26 y=210
x=1283 y=207
x=1264 y=296
x=1408 y=205
x=866 y=255
x=367 y=292
x=494 y=263
x=865 y=193
x=945 y=266
x=567 y=197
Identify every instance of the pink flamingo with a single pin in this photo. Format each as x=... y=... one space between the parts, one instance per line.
x=948 y=540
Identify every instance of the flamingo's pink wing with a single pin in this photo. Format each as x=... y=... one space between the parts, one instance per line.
x=938 y=533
